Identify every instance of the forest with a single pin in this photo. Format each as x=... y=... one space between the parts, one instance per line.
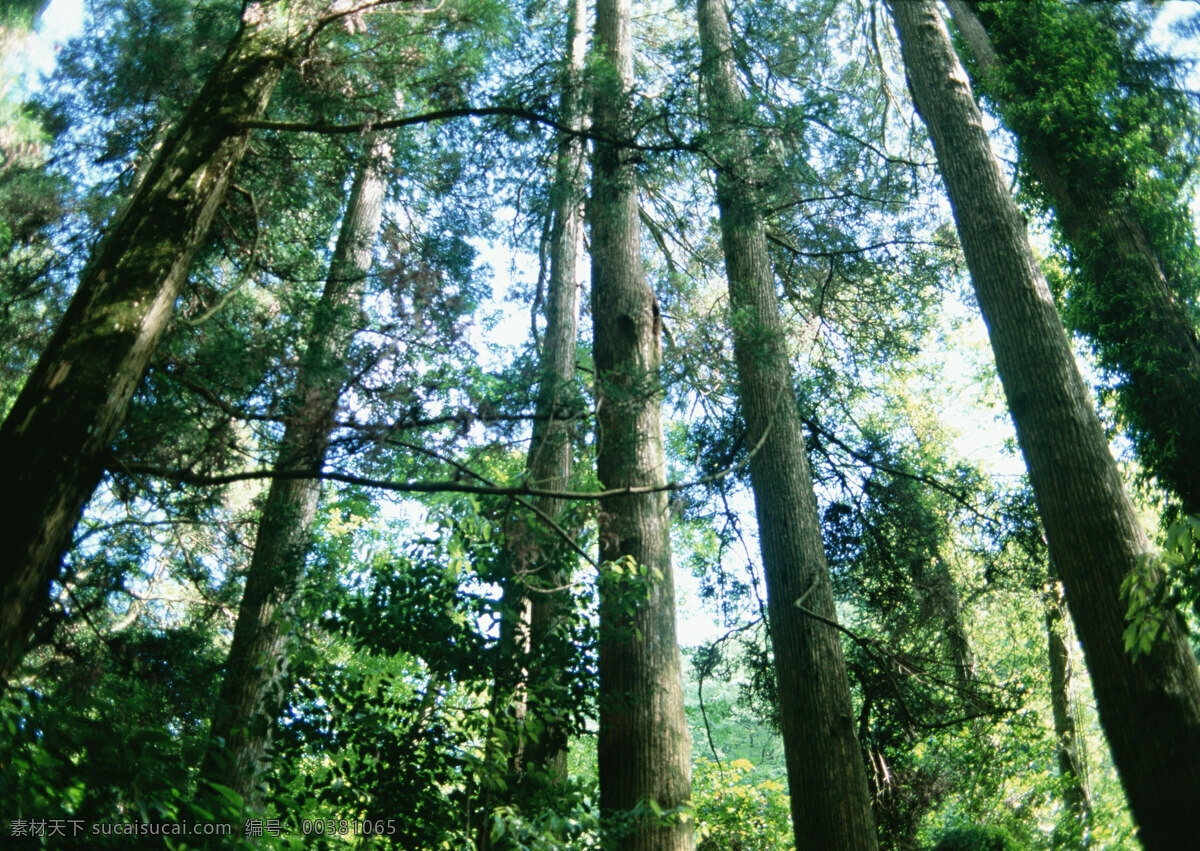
x=683 y=425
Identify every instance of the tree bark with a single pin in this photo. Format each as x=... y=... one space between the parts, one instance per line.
x=1149 y=709
x=1142 y=329
x=54 y=440
x=551 y=449
x=1071 y=769
x=644 y=744
x=944 y=597
x=535 y=612
x=827 y=780
x=256 y=679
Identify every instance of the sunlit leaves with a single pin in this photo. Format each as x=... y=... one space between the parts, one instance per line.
x=1163 y=580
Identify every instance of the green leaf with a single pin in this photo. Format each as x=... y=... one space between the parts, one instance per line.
x=229 y=794
x=498 y=826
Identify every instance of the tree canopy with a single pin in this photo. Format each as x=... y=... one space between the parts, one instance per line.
x=534 y=425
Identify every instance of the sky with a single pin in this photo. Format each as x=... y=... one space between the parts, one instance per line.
x=981 y=431
x=61 y=20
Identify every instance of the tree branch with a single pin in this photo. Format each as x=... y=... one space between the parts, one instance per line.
x=192 y=478
x=458 y=112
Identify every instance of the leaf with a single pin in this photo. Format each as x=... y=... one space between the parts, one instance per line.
x=229 y=794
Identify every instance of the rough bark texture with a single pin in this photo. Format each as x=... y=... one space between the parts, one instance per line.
x=54 y=441
x=1070 y=761
x=256 y=679
x=1150 y=709
x=1159 y=352
x=550 y=451
x=644 y=745
x=531 y=636
x=826 y=777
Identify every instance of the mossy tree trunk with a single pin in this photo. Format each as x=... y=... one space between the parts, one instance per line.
x=545 y=601
x=536 y=601
x=1071 y=768
x=1125 y=306
x=54 y=441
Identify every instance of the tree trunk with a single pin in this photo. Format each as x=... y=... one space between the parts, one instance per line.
x=534 y=613
x=54 y=441
x=1150 y=709
x=644 y=745
x=944 y=597
x=550 y=451
x=256 y=680
x=826 y=776
x=1140 y=327
x=1070 y=761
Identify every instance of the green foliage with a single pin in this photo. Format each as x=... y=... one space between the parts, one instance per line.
x=630 y=584
x=570 y=822
x=1108 y=115
x=729 y=694
x=114 y=739
x=33 y=203
x=735 y=812
x=393 y=711
x=383 y=722
x=979 y=838
x=1163 y=581
x=896 y=560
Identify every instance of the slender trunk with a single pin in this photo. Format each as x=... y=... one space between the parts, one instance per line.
x=1150 y=709
x=826 y=776
x=943 y=594
x=54 y=441
x=644 y=745
x=533 y=612
x=256 y=679
x=550 y=451
x=1141 y=328
x=1070 y=761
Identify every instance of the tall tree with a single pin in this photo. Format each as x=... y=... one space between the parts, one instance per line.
x=826 y=777
x=1091 y=149
x=891 y=543
x=256 y=679
x=644 y=747
x=32 y=205
x=55 y=437
x=1071 y=769
x=530 y=731
x=1150 y=709
x=540 y=599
